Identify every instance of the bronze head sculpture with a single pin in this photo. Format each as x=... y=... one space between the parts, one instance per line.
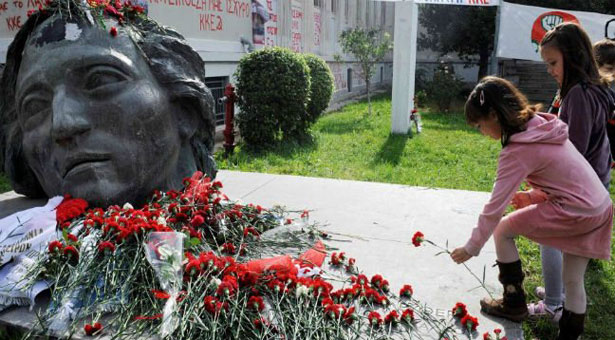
x=102 y=106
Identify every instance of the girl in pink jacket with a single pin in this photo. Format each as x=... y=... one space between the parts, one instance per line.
x=576 y=217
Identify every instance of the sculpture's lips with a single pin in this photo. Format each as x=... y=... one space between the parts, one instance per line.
x=82 y=160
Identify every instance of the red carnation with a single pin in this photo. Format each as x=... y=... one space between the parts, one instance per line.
x=213 y=305
x=360 y=279
x=334 y=311
x=469 y=322
x=261 y=323
x=72 y=238
x=418 y=238
x=197 y=220
x=406 y=291
x=225 y=289
x=487 y=336
x=160 y=294
x=392 y=318
x=256 y=303
x=407 y=315
x=69 y=209
x=71 y=252
x=335 y=260
x=374 y=318
x=113 y=31
x=55 y=246
x=250 y=231
x=193 y=267
x=91 y=329
x=349 y=315
x=106 y=247
x=350 y=267
x=229 y=248
x=459 y=310
x=376 y=279
x=384 y=286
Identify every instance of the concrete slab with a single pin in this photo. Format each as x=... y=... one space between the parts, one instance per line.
x=374 y=223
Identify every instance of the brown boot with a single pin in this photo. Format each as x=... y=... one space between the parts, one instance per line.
x=571 y=325
x=512 y=306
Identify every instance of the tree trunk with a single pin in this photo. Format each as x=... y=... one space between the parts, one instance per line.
x=483 y=63
x=369 y=99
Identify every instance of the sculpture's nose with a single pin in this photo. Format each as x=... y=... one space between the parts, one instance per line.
x=69 y=117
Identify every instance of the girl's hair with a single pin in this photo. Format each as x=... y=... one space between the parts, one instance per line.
x=499 y=97
x=604 y=50
x=576 y=48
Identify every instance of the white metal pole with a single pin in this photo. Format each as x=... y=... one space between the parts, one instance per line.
x=494 y=57
x=404 y=64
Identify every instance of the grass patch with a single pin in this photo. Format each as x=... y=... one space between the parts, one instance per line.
x=348 y=145
x=448 y=154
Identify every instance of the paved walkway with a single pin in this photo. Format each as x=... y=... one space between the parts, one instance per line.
x=374 y=223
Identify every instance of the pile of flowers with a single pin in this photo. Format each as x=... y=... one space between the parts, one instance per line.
x=231 y=284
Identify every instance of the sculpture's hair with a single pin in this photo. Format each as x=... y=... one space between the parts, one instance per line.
x=176 y=66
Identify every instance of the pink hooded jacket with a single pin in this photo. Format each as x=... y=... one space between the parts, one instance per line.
x=543 y=155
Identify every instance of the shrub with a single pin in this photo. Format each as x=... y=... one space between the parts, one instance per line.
x=273 y=87
x=322 y=86
x=420 y=98
x=444 y=87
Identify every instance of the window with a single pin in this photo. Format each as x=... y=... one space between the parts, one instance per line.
x=349 y=79
x=383 y=14
x=317 y=3
x=346 y=11
x=216 y=86
x=359 y=12
x=334 y=6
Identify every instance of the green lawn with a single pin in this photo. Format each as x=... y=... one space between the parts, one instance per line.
x=448 y=154
x=346 y=145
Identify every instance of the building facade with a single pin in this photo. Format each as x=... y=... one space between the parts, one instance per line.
x=223 y=31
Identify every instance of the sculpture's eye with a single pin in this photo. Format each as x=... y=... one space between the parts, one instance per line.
x=34 y=105
x=102 y=76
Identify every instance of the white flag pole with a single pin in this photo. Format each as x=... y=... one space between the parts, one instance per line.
x=404 y=65
x=494 y=57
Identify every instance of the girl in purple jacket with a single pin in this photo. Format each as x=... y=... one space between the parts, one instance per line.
x=573 y=213
x=568 y=53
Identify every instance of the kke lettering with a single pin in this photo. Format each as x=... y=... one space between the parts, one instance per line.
x=13 y=23
x=210 y=22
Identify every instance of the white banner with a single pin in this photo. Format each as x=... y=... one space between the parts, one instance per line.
x=523 y=27
x=460 y=2
x=197 y=19
x=454 y=2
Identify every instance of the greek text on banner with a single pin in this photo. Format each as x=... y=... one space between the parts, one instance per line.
x=455 y=2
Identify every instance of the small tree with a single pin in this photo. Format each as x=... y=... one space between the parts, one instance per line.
x=369 y=47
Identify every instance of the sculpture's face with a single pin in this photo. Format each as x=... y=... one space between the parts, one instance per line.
x=96 y=124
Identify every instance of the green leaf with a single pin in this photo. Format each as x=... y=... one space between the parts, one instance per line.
x=194 y=241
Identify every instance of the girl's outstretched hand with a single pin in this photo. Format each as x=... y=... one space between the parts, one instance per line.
x=460 y=255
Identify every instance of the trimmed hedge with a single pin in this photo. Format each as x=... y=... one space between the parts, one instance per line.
x=322 y=86
x=273 y=87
